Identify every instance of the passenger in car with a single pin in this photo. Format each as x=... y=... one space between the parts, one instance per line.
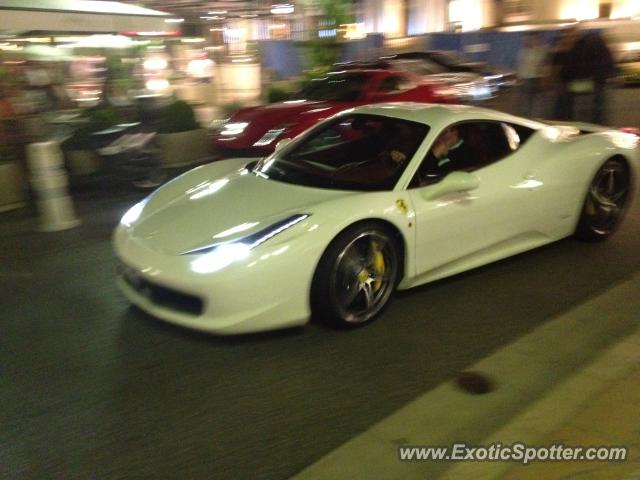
x=446 y=149
x=449 y=152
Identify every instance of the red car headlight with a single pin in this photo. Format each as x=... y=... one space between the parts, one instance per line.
x=272 y=134
x=233 y=128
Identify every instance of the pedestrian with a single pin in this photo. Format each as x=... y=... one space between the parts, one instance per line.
x=601 y=67
x=531 y=63
x=584 y=70
x=559 y=79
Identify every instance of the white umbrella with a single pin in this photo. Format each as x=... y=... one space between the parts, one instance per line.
x=40 y=53
x=105 y=41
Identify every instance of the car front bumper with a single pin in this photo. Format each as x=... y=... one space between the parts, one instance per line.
x=268 y=290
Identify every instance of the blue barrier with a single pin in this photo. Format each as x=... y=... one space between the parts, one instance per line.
x=281 y=56
x=368 y=48
x=497 y=48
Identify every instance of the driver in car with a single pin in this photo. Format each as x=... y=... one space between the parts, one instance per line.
x=394 y=146
x=401 y=142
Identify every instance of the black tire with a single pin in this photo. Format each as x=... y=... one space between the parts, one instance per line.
x=356 y=276
x=605 y=201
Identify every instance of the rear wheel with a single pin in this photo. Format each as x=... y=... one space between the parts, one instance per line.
x=605 y=201
x=356 y=276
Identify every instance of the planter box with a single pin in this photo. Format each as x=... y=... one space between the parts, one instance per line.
x=12 y=186
x=184 y=148
x=197 y=94
x=83 y=162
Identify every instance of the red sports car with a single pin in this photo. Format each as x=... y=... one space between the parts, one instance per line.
x=254 y=131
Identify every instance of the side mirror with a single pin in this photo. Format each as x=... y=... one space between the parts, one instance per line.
x=454 y=182
x=282 y=143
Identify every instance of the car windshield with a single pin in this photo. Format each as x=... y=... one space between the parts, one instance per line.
x=351 y=152
x=342 y=87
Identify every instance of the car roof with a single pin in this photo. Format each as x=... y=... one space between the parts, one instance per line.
x=440 y=115
x=424 y=53
x=368 y=71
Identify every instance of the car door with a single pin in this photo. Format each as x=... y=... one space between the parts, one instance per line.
x=467 y=227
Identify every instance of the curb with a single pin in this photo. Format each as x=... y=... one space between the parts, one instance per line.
x=555 y=408
x=531 y=374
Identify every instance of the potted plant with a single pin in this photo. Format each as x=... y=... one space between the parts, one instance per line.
x=277 y=94
x=182 y=140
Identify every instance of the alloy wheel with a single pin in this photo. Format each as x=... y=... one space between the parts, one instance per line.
x=606 y=198
x=363 y=277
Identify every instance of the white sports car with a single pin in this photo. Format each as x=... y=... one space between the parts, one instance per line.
x=372 y=199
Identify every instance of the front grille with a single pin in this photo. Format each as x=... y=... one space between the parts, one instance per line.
x=162 y=296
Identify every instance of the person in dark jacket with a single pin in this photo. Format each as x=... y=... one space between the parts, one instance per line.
x=602 y=67
x=448 y=153
x=560 y=58
x=584 y=71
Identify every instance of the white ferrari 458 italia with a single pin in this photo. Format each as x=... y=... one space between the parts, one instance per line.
x=371 y=200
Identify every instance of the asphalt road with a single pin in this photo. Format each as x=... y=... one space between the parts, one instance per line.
x=93 y=388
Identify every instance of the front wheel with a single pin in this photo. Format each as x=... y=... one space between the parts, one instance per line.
x=605 y=201
x=356 y=276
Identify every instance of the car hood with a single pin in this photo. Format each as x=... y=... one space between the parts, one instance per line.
x=486 y=69
x=453 y=78
x=282 y=112
x=204 y=209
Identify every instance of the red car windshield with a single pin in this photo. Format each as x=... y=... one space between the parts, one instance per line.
x=352 y=152
x=341 y=87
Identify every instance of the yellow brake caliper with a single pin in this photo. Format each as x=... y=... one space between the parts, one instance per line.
x=378 y=265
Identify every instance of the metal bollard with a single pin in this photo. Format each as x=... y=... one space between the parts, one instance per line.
x=49 y=182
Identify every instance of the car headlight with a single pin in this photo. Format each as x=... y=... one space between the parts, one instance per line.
x=270 y=136
x=220 y=257
x=132 y=215
x=481 y=90
x=233 y=128
x=213 y=258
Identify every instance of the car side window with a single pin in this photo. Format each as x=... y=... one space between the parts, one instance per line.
x=524 y=133
x=394 y=83
x=389 y=84
x=466 y=146
x=405 y=84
